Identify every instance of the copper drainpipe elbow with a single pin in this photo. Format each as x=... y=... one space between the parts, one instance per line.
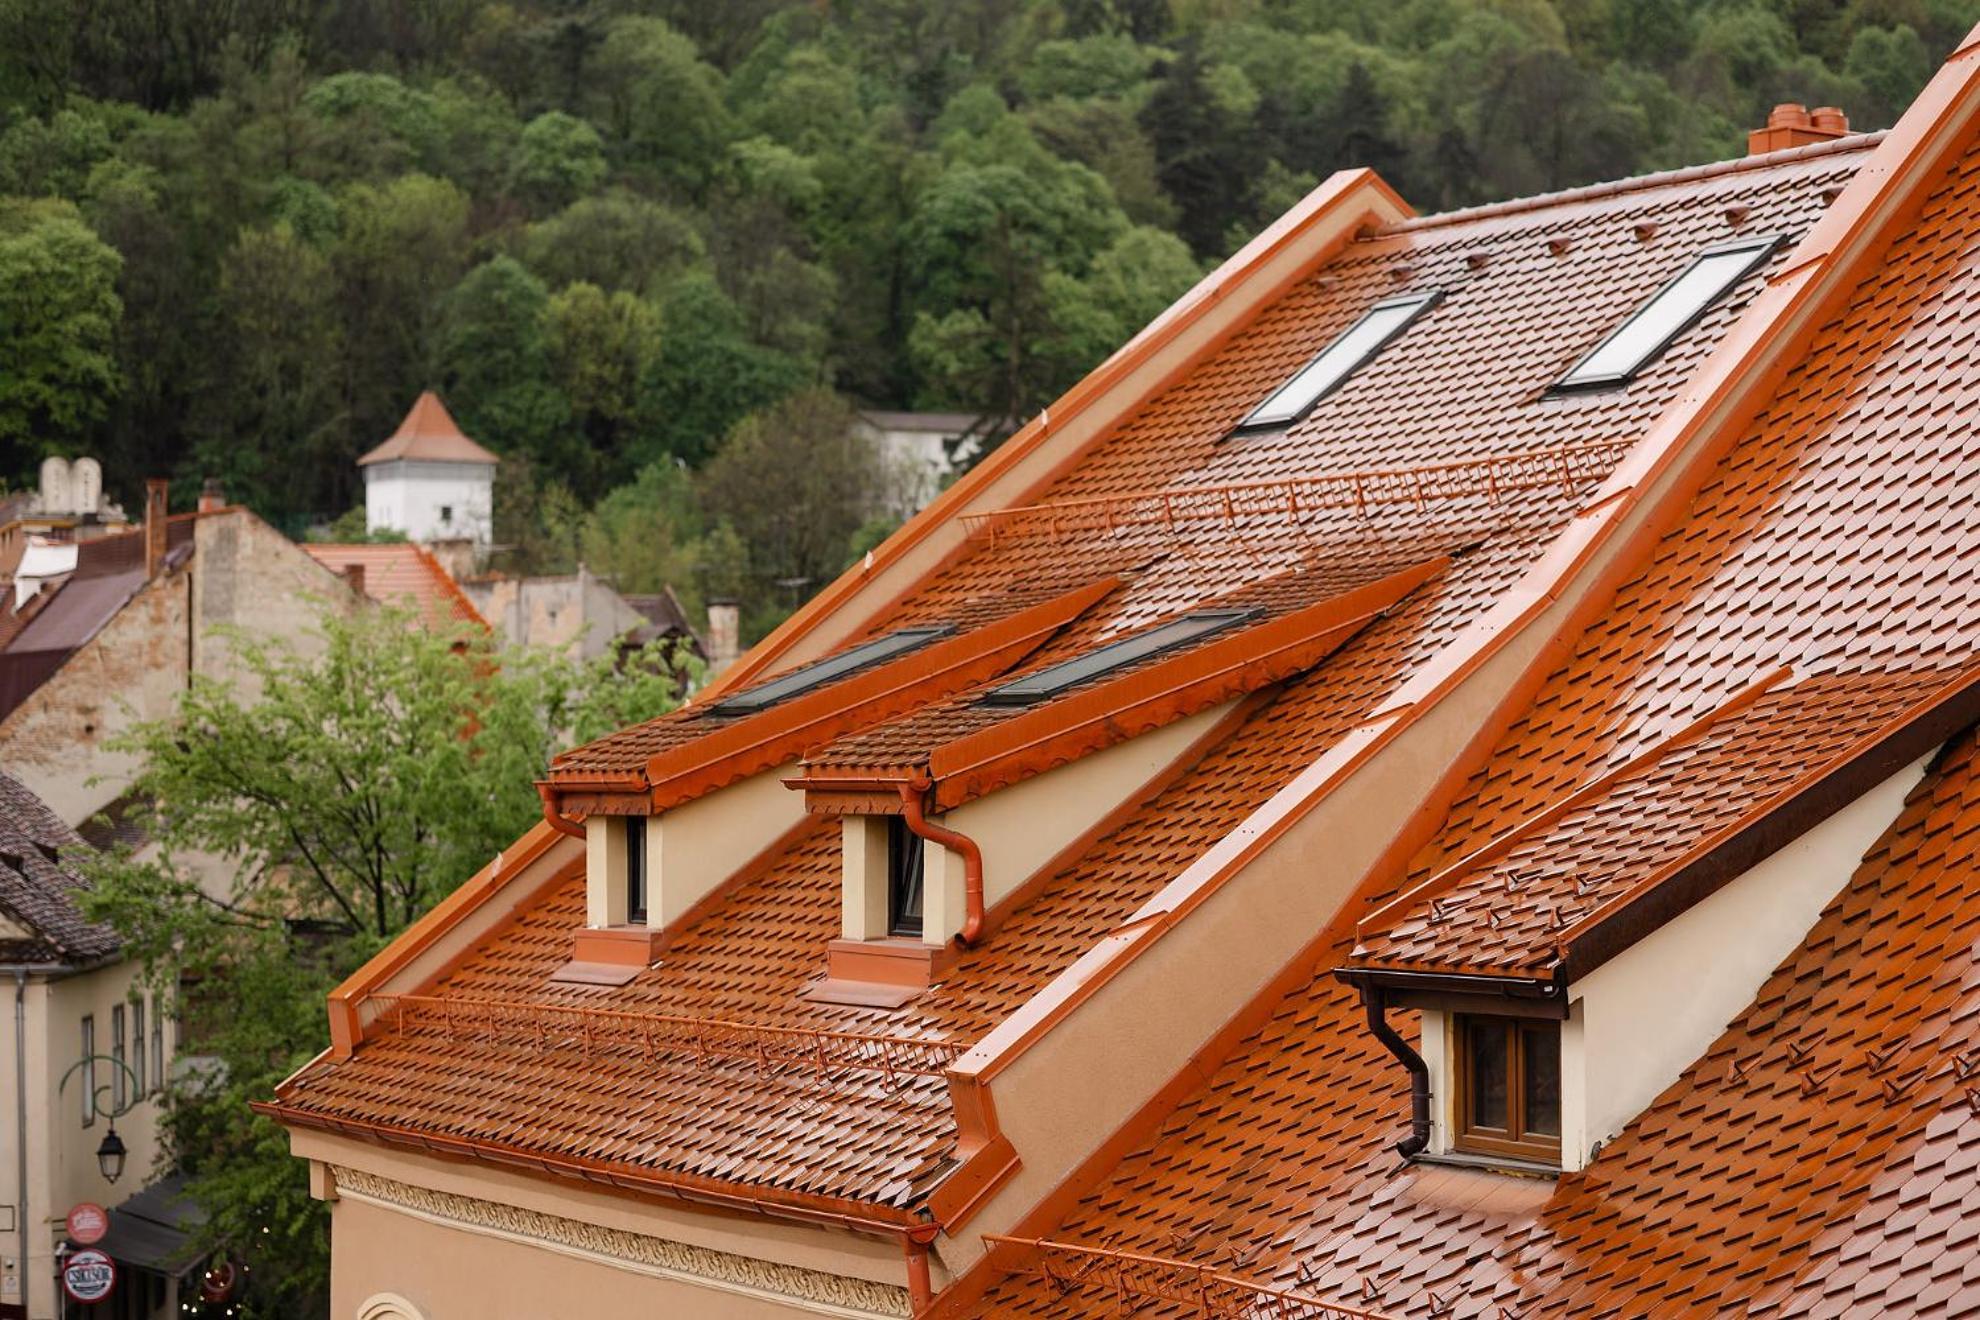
x=921 y=1287
x=911 y=808
x=558 y=821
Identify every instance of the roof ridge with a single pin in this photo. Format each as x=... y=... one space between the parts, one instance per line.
x=1635 y=183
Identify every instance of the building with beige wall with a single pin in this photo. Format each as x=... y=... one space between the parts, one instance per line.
x=1295 y=830
x=79 y=1010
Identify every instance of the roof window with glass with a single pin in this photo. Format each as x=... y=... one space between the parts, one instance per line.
x=1050 y=682
x=1351 y=349
x=829 y=670
x=1671 y=311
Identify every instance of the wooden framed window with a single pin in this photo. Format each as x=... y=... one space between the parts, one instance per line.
x=904 y=864
x=89 y=1069
x=635 y=828
x=119 y=1086
x=137 y=1046
x=158 y=1045
x=1508 y=1086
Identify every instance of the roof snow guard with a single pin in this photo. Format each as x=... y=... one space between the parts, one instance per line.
x=1129 y=1278
x=1490 y=480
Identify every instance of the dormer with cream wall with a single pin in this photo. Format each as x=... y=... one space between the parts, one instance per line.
x=1637 y=1021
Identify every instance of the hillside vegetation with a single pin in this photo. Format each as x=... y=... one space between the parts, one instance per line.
x=238 y=236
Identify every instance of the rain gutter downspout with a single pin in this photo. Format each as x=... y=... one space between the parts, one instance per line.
x=555 y=818
x=21 y=1120
x=912 y=810
x=1419 y=1072
x=920 y=1287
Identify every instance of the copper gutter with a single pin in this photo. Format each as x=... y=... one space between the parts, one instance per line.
x=912 y=794
x=920 y=1287
x=552 y=816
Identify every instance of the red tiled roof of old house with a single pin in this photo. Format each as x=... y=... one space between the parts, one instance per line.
x=1795 y=626
x=399 y=573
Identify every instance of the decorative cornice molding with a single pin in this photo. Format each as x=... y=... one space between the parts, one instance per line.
x=809 y=1290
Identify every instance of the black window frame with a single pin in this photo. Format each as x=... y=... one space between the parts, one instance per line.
x=634 y=845
x=89 y=1070
x=1516 y=1139
x=140 y=1083
x=906 y=880
x=1038 y=686
x=1760 y=248
x=120 y=1056
x=1419 y=302
x=830 y=669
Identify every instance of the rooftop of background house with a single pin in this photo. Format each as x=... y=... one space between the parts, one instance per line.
x=429 y=434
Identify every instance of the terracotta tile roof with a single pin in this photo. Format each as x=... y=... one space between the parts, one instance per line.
x=1817 y=1160
x=400 y=573
x=39 y=882
x=429 y=434
x=1535 y=286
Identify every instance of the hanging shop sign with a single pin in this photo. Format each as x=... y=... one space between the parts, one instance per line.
x=89 y=1276
x=87 y=1223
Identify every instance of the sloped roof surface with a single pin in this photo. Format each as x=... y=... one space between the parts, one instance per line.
x=1820 y=1157
x=1526 y=292
x=400 y=573
x=429 y=434
x=38 y=884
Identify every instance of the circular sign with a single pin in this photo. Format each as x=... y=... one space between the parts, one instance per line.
x=87 y=1223
x=218 y=1283
x=89 y=1275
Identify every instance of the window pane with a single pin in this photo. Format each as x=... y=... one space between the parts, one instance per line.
x=904 y=880
x=137 y=1045
x=1358 y=343
x=828 y=670
x=1050 y=682
x=1541 y=1074
x=158 y=1046
x=635 y=827
x=1485 y=1041
x=88 y=1070
x=1647 y=333
x=118 y=1086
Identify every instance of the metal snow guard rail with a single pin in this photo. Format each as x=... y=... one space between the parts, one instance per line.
x=1194 y=1290
x=597 y=1030
x=1567 y=466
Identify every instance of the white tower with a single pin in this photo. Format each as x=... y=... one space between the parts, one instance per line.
x=430 y=481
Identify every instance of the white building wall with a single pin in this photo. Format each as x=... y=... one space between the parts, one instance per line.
x=431 y=501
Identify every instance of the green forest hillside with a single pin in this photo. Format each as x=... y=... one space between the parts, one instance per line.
x=238 y=236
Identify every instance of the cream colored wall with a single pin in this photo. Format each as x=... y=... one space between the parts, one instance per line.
x=516 y=1203
x=1640 y=1019
x=699 y=844
x=451 y=1273
x=863 y=896
x=62 y=1167
x=1024 y=826
x=605 y=870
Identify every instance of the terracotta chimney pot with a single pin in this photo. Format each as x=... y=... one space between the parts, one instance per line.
x=354 y=578
x=211 y=497
x=155 y=490
x=724 y=641
x=1792 y=125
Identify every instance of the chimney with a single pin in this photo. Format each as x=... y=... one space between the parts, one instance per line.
x=154 y=526
x=1792 y=125
x=211 y=497
x=724 y=635
x=353 y=576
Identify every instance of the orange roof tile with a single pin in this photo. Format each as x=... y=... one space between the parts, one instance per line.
x=429 y=434
x=1817 y=1159
x=1535 y=285
x=399 y=573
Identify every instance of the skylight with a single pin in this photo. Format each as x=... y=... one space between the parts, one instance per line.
x=1675 y=308
x=1050 y=682
x=830 y=669
x=1339 y=360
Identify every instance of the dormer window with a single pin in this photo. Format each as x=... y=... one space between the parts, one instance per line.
x=904 y=870
x=1350 y=351
x=635 y=877
x=1508 y=1087
x=1672 y=310
x=447 y=513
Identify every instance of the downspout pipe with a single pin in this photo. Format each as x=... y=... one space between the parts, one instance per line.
x=558 y=821
x=21 y=1123
x=921 y=1287
x=912 y=794
x=1419 y=1072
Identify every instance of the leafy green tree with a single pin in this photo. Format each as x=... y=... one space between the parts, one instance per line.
x=366 y=777
x=58 y=322
x=495 y=362
x=559 y=157
x=615 y=240
x=660 y=103
x=600 y=345
x=708 y=375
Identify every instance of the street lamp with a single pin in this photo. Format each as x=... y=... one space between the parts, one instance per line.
x=110 y=1154
x=110 y=1151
